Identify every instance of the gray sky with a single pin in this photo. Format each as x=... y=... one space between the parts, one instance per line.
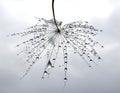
x=16 y=15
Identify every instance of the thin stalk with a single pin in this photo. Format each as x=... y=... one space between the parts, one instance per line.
x=54 y=16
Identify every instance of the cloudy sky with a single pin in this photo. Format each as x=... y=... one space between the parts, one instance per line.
x=16 y=15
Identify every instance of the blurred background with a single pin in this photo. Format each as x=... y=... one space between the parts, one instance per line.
x=16 y=15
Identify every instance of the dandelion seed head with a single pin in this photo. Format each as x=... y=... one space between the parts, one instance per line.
x=48 y=40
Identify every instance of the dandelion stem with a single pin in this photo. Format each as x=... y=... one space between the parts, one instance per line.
x=54 y=15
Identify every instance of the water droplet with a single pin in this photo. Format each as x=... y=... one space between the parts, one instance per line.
x=45 y=72
x=42 y=78
x=65 y=56
x=42 y=39
x=102 y=46
x=65 y=69
x=17 y=45
x=89 y=65
x=65 y=53
x=65 y=62
x=91 y=60
x=53 y=58
x=67 y=41
x=65 y=79
x=37 y=57
x=33 y=62
x=49 y=65
x=99 y=57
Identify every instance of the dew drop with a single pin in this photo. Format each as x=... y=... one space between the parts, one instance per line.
x=99 y=57
x=65 y=69
x=45 y=72
x=65 y=79
x=89 y=65
x=49 y=65
x=54 y=59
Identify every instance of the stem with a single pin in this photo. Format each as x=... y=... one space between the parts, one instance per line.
x=54 y=16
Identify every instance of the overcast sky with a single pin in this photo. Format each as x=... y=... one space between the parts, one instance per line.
x=16 y=15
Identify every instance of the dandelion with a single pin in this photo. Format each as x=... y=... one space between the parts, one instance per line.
x=51 y=37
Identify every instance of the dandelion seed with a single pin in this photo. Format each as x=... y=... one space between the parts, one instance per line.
x=51 y=36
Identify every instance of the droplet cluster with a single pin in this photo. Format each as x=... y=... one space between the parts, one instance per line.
x=47 y=40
